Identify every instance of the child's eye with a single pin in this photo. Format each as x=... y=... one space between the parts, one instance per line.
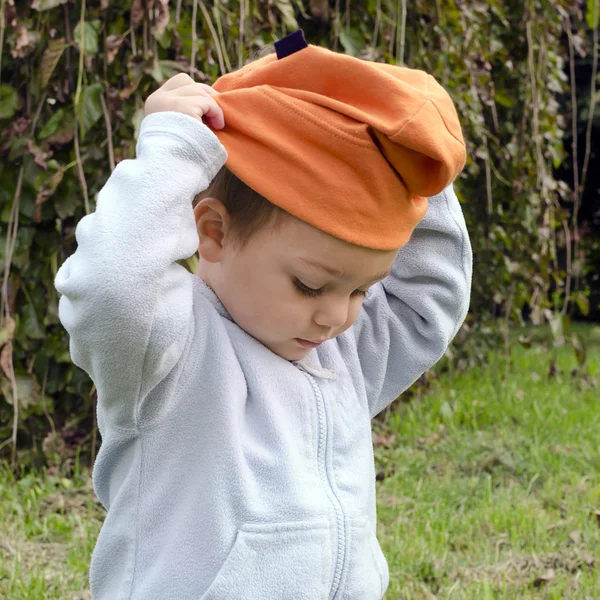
x=312 y=293
x=304 y=289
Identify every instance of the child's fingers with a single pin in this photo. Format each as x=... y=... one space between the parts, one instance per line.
x=209 y=90
x=177 y=81
x=212 y=112
x=197 y=89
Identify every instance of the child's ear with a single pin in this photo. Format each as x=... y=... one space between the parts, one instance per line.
x=212 y=222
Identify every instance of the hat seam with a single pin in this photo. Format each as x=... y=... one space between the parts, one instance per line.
x=414 y=116
x=461 y=142
x=301 y=112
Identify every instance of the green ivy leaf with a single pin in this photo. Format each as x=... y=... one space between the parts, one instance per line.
x=90 y=32
x=52 y=124
x=287 y=14
x=9 y=101
x=50 y=59
x=30 y=323
x=583 y=303
x=504 y=99
x=41 y=5
x=352 y=41
x=66 y=204
x=89 y=108
x=165 y=69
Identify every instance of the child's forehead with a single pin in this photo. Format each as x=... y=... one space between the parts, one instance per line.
x=303 y=247
x=342 y=273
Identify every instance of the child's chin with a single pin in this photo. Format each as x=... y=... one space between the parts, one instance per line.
x=290 y=351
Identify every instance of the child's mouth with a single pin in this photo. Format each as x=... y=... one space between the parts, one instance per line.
x=308 y=343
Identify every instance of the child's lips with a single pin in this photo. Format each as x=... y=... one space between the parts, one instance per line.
x=309 y=343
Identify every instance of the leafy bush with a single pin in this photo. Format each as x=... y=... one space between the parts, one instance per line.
x=74 y=78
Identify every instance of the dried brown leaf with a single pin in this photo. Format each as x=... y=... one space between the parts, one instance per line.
x=50 y=59
x=575 y=536
x=162 y=18
x=25 y=41
x=8 y=330
x=546 y=578
x=319 y=9
x=6 y=360
x=46 y=191
x=39 y=156
x=112 y=43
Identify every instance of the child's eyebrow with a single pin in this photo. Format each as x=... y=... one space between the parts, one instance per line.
x=342 y=274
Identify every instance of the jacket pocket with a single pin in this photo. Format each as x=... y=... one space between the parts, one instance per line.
x=368 y=574
x=276 y=561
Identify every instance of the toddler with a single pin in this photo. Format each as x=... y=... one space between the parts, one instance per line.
x=235 y=404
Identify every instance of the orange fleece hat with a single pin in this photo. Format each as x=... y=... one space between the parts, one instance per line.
x=352 y=147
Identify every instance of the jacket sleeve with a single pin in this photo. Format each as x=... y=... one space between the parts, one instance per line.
x=409 y=319
x=126 y=303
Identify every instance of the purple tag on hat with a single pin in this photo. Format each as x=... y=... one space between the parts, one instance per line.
x=290 y=44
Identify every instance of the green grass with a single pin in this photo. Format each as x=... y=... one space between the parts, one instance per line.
x=494 y=484
x=492 y=480
x=48 y=528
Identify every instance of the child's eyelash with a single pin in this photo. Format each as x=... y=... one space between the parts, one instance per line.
x=304 y=289
x=312 y=293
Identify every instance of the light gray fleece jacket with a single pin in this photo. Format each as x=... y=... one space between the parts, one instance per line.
x=227 y=471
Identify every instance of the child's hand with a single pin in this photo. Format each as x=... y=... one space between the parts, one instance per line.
x=182 y=94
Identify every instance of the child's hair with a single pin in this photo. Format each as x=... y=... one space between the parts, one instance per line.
x=248 y=210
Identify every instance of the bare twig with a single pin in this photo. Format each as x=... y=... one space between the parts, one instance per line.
x=569 y=268
x=194 y=38
x=11 y=238
x=347 y=14
x=214 y=36
x=488 y=182
x=593 y=78
x=573 y=110
x=81 y=55
x=77 y=100
x=145 y=37
x=2 y=27
x=394 y=23
x=111 y=152
x=178 y=12
x=376 y=27
x=401 y=37
x=80 y=172
x=38 y=112
x=221 y=36
x=535 y=105
x=242 y=32
x=574 y=149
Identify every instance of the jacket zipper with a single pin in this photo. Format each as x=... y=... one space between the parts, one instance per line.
x=324 y=472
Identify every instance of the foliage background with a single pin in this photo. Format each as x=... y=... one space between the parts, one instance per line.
x=74 y=76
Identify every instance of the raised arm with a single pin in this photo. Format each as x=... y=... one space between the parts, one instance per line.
x=409 y=319
x=126 y=303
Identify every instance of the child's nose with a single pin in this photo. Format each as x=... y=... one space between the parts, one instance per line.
x=332 y=312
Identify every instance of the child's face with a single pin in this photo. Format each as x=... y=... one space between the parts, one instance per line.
x=263 y=285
